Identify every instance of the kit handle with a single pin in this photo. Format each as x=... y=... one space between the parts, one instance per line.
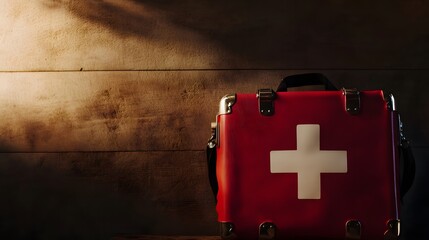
x=306 y=79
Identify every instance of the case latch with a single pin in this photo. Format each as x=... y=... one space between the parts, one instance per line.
x=266 y=97
x=352 y=101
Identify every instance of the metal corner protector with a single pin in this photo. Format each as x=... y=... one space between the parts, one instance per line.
x=226 y=103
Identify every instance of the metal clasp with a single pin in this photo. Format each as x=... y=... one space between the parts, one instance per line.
x=352 y=101
x=265 y=101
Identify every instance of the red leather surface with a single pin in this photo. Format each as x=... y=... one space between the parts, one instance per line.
x=249 y=194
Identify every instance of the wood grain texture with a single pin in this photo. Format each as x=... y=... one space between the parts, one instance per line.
x=147 y=34
x=97 y=195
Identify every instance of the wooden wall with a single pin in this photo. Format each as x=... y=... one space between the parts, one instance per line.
x=106 y=105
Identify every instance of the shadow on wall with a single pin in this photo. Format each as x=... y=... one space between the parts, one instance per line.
x=279 y=34
x=38 y=202
x=125 y=17
x=89 y=200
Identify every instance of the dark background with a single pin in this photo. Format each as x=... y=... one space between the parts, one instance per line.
x=117 y=147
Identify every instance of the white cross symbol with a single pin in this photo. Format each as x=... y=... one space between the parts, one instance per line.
x=308 y=161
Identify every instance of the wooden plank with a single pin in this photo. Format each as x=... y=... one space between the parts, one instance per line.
x=155 y=111
x=112 y=35
x=97 y=195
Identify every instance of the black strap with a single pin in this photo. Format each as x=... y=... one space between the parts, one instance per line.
x=407 y=167
x=211 y=163
x=306 y=79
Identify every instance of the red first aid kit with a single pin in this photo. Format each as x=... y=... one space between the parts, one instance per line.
x=307 y=164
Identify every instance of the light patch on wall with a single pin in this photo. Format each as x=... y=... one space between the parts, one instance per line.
x=98 y=35
x=9 y=91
